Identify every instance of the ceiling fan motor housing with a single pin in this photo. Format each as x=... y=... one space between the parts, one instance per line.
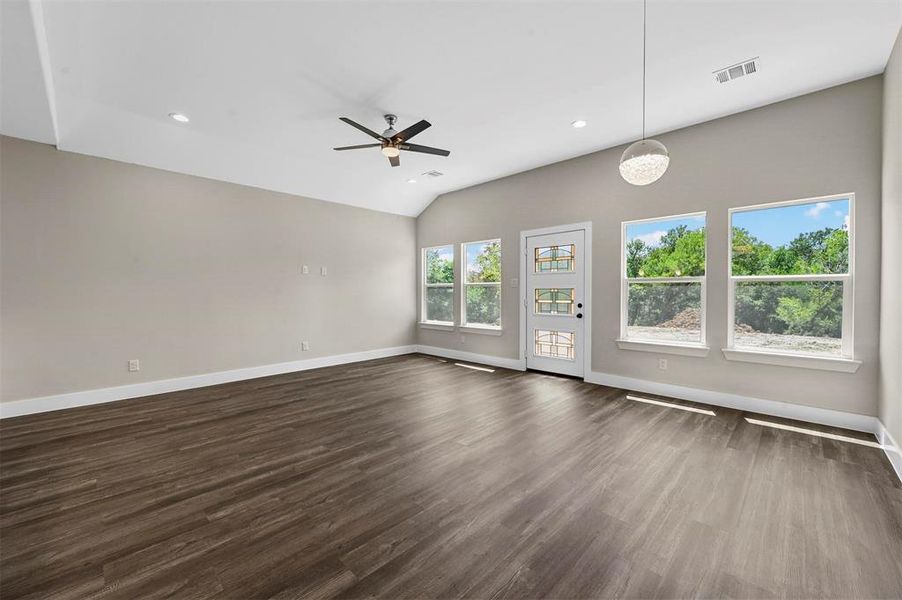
x=390 y=132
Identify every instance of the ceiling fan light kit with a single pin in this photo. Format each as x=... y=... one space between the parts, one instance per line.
x=392 y=142
x=645 y=161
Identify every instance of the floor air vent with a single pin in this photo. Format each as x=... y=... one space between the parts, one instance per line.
x=433 y=173
x=746 y=67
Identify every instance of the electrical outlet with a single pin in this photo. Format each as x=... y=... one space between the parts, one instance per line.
x=323 y=271
x=134 y=365
x=305 y=269
x=463 y=339
x=662 y=364
x=515 y=282
x=305 y=346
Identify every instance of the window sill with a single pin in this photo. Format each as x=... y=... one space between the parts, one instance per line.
x=436 y=325
x=823 y=363
x=480 y=329
x=664 y=347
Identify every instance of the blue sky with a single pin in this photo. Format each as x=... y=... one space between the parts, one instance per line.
x=780 y=225
x=651 y=232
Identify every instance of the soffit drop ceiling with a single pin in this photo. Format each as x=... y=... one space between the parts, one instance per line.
x=265 y=82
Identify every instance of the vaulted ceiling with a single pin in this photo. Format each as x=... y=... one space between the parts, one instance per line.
x=265 y=82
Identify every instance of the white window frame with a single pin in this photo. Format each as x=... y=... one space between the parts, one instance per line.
x=624 y=342
x=844 y=362
x=424 y=322
x=479 y=327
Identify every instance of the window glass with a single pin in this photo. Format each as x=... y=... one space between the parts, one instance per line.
x=796 y=239
x=484 y=305
x=482 y=283
x=438 y=284
x=554 y=301
x=671 y=247
x=440 y=265
x=440 y=304
x=554 y=344
x=555 y=259
x=803 y=317
x=484 y=262
x=665 y=312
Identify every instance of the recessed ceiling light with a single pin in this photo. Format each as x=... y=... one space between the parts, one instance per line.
x=179 y=117
x=579 y=124
x=411 y=181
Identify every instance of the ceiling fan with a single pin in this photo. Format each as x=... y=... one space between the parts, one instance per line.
x=392 y=142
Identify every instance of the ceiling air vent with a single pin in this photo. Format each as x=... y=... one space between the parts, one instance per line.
x=433 y=173
x=746 y=67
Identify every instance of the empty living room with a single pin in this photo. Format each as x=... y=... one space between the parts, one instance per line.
x=438 y=299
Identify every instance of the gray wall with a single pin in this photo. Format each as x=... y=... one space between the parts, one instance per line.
x=891 y=270
x=103 y=262
x=824 y=143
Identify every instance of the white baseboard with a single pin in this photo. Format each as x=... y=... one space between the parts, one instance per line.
x=29 y=406
x=485 y=359
x=892 y=449
x=799 y=412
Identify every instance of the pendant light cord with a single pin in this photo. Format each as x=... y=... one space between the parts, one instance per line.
x=644 y=18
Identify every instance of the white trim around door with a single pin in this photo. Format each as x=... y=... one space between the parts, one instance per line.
x=585 y=227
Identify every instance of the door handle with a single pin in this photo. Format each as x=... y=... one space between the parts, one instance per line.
x=579 y=315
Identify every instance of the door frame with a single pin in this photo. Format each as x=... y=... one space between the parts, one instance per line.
x=586 y=227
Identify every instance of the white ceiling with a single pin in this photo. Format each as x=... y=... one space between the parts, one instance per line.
x=265 y=82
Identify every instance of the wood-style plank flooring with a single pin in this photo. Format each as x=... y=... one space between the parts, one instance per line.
x=411 y=477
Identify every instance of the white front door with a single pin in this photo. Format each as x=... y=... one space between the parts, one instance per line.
x=554 y=303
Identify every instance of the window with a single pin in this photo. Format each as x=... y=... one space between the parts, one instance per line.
x=663 y=283
x=791 y=277
x=482 y=284
x=555 y=259
x=554 y=344
x=554 y=301
x=438 y=285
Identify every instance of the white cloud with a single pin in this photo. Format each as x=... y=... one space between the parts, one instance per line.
x=651 y=239
x=815 y=211
x=845 y=223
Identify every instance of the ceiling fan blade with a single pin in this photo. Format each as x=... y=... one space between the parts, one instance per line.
x=412 y=131
x=369 y=132
x=356 y=147
x=395 y=161
x=424 y=149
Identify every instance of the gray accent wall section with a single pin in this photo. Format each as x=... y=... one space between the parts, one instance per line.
x=891 y=270
x=828 y=142
x=103 y=262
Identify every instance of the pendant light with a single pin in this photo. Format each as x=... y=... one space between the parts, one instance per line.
x=645 y=161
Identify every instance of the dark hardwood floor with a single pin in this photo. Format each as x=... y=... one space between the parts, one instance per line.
x=411 y=477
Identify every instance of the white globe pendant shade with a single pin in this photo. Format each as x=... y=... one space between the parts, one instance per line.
x=644 y=162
